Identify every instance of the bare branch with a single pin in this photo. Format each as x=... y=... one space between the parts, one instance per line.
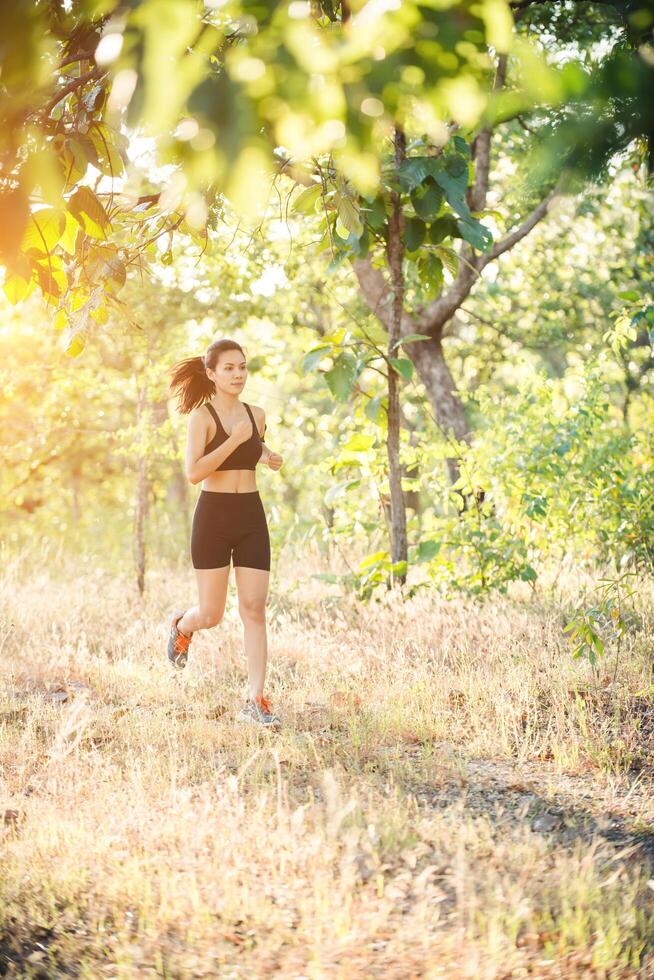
x=66 y=90
x=481 y=149
x=433 y=317
x=522 y=230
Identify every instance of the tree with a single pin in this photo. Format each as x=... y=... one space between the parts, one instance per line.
x=238 y=93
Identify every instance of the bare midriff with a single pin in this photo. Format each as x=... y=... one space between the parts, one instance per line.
x=231 y=481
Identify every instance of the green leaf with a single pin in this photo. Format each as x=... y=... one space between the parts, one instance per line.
x=338 y=259
x=305 y=202
x=359 y=245
x=17 y=288
x=348 y=215
x=430 y=270
x=455 y=188
x=413 y=171
x=89 y=212
x=428 y=550
x=341 y=377
x=461 y=146
x=313 y=358
x=456 y=166
x=69 y=237
x=359 y=443
x=444 y=227
x=414 y=233
x=427 y=199
x=376 y=558
x=449 y=258
x=403 y=366
x=374 y=406
x=478 y=235
x=597 y=643
x=411 y=337
x=374 y=213
x=44 y=229
x=108 y=158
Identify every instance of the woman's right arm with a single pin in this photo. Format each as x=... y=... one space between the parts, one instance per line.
x=199 y=466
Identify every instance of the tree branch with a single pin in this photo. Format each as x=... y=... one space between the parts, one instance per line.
x=66 y=90
x=481 y=149
x=375 y=288
x=433 y=317
x=522 y=230
x=378 y=294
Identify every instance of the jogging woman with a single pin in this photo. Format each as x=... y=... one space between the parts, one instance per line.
x=224 y=445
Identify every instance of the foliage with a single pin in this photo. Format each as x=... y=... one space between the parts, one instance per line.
x=551 y=299
x=552 y=474
x=568 y=474
x=221 y=88
x=609 y=73
x=432 y=183
x=590 y=628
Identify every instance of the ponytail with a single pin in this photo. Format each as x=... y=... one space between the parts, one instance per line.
x=189 y=379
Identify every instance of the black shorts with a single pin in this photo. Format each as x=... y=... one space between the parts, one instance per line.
x=226 y=523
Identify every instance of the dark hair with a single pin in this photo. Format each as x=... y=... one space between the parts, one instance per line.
x=189 y=378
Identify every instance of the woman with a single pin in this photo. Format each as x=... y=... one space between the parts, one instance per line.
x=224 y=445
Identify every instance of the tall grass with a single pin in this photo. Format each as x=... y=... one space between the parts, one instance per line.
x=392 y=826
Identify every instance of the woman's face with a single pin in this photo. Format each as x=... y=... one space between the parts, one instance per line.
x=230 y=372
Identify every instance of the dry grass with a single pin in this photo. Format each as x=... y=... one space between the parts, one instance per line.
x=449 y=797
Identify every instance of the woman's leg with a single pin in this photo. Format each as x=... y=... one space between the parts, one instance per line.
x=212 y=595
x=252 y=586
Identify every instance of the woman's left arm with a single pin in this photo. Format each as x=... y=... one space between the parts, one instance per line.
x=261 y=425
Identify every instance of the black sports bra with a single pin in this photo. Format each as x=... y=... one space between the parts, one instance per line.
x=245 y=456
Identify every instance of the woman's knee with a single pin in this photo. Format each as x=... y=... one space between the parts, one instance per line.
x=252 y=609
x=209 y=618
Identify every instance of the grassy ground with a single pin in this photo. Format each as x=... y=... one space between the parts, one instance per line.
x=451 y=795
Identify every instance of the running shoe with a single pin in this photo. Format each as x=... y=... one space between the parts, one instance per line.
x=260 y=712
x=178 y=643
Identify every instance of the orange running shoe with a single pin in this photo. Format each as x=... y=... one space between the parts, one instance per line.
x=178 y=643
x=259 y=710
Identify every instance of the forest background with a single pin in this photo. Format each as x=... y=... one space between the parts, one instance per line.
x=531 y=384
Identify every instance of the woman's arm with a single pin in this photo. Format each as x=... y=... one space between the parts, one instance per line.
x=261 y=426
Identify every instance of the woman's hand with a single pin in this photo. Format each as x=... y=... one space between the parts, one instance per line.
x=274 y=461
x=242 y=431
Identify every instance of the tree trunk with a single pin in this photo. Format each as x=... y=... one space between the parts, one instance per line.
x=427 y=355
x=449 y=411
x=395 y=250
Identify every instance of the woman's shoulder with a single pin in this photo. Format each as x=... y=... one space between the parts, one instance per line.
x=259 y=416
x=257 y=411
x=199 y=415
x=202 y=409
